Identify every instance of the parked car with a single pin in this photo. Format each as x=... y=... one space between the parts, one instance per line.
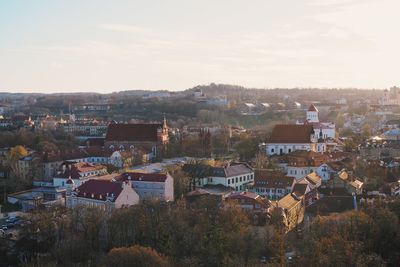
x=12 y=220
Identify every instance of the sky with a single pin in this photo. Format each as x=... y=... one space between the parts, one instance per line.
x=104 y=46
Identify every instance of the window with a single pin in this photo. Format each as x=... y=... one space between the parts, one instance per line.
x=272 y=150
x=236 y=179
x=240 y=178
x=229 y=181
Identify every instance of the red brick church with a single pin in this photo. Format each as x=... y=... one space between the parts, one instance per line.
x=144 y=136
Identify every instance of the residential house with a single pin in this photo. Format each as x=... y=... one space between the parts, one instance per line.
x=51 y=162
x=302 y=162
x=218 y=192
x=392 y=189
x=235 y=175
x=292 y=208
x=308 y=188
x=272 y=184
x=249 y=201
x=79 y=172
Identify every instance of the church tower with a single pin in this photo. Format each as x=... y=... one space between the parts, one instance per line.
x=312 y=114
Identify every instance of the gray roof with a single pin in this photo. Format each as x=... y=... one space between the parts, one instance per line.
x=232 y=170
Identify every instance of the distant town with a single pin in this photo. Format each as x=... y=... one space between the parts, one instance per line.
x=216 y=175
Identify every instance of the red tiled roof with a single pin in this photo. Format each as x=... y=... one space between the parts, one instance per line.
x=78 y=168
x=306 y=158
x=272 y=179
x=312 y=108
x=132 y=132
x=291 y=133
x=139 y=176
x=98 y=189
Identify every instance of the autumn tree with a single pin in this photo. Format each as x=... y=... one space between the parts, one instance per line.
x=135 y=256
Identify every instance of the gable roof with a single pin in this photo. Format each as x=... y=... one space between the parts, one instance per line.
x=300 y=189
x=291 y=133
x=272 y=179
x=140 y=176
x=99 y=189
x=288 y=201
x=231 y=170
x=133 y=132
x=312 y=108
x=314 y=179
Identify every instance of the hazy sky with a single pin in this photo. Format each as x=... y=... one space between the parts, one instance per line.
x=105 y=46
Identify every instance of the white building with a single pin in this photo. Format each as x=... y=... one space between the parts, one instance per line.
x=272 y=184
x=391 y=97
x=234 y=175
x=286 y=138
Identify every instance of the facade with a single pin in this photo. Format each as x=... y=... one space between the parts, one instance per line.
x=79 y=172
x=233 y=175
x=51 y=163
x=248 y=201
x=301 y=163
x=272 y=184
x=103 y=194
x=91 y=128
x=325 y=171
x=292 y=208
x=26 y=165
x=286 y=138
x=150 y=185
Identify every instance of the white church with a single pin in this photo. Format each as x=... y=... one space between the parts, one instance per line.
x=322 y=130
